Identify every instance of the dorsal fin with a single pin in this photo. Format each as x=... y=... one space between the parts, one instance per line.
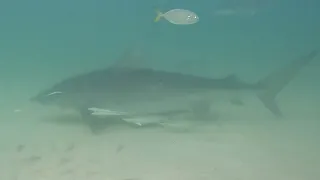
x=131 y=58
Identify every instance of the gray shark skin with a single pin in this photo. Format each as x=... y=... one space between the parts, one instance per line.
x=139 y=92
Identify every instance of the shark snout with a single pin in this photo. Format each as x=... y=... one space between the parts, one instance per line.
x=46 y=98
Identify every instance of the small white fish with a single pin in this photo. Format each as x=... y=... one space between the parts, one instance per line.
x=178 y=16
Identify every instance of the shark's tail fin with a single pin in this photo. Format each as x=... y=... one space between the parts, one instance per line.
x=277 y=80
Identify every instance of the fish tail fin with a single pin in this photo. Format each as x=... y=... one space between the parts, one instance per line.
x=159 y=15
x=278 y=80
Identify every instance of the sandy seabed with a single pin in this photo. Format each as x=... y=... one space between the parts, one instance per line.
x=234 y=148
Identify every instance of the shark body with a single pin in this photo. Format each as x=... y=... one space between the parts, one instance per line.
x=124 y=93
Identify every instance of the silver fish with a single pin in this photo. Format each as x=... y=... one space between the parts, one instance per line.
x=178 y=16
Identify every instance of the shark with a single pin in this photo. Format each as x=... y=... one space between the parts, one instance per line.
x=128 y=94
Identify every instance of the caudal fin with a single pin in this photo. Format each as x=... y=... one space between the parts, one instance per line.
x=159 y=15
x=278 y=80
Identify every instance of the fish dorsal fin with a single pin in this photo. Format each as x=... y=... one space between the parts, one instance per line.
x=131 y=58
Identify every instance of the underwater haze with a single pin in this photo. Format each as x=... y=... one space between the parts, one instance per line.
x=45 y=42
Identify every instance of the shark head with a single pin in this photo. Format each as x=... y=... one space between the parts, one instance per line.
x=87 y=89
x=48 y=97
